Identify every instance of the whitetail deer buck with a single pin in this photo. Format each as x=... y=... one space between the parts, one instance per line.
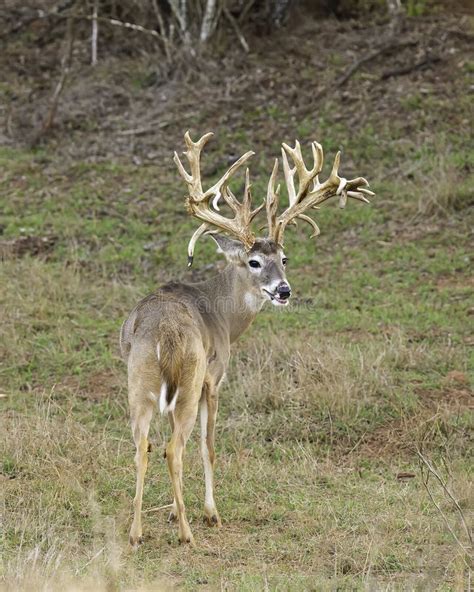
x=177 y=341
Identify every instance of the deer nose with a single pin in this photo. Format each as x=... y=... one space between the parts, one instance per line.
x=284 y=291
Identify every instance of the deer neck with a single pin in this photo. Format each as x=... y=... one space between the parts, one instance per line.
x=233 y=301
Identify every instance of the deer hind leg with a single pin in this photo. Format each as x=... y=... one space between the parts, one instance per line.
x=208 y=409
x=141 y=414
x=184 y=420
x=173 y=515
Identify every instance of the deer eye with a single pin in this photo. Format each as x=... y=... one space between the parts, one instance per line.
x=284 y=260
x=254 y=263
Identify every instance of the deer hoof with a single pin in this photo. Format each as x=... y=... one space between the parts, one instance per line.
x=135 y=542
x=187 y=539
x=213 y=520
x=172 y=517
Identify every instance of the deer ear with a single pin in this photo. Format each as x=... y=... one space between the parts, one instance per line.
x=232 y=249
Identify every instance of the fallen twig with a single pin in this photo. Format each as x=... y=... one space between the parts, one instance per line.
x=371 y=56
x=150 y=128
x=461 y=34
x=352 y=69
x=158 y=508
x=426 y=61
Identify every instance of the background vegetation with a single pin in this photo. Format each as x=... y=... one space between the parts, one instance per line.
x=340 y=413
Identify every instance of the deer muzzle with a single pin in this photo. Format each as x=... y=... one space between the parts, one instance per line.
x=283 y=291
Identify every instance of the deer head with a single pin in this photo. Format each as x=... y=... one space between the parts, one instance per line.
x=262 y=259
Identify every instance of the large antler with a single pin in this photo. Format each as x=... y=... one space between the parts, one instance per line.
x=310 y=191
x=199 y=201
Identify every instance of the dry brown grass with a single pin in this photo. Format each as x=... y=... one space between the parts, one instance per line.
x=336 y=392
x=293 y=422
x=444 y=188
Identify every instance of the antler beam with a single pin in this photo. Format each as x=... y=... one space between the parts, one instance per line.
x=199 y=202
x=310 y=193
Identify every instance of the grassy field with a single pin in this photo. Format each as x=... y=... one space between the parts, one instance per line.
x=328 y=405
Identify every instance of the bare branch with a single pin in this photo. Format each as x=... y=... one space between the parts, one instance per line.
x=95 y=30
x=161 y=23
x=65 y=68
x=235 y=25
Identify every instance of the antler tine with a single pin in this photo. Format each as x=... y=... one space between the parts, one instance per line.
x=193 y=180
x=289 y=177
x=199 y=201
x=305 y=176
x=193 y=154
x=311 y=193
x=273 y=198
x=318 y=157
x=219 y=188
x=312 y=223
x=197 y=234
x=247 y=201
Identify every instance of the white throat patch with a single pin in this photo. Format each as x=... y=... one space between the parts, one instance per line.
x=253 y=302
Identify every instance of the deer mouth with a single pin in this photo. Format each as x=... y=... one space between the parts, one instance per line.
x=276 y=299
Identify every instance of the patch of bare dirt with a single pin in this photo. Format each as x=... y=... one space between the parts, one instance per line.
x=27 y=245
x=455 y=281
x=457 y=377
x=94 y=386
x=452 y=397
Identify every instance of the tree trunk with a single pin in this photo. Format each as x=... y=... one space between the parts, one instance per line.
x=208 y=20
x=279 y=11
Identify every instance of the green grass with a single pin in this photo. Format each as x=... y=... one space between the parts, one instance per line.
x=306 y=498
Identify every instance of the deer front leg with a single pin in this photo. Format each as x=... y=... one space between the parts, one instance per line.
x=208 y=409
